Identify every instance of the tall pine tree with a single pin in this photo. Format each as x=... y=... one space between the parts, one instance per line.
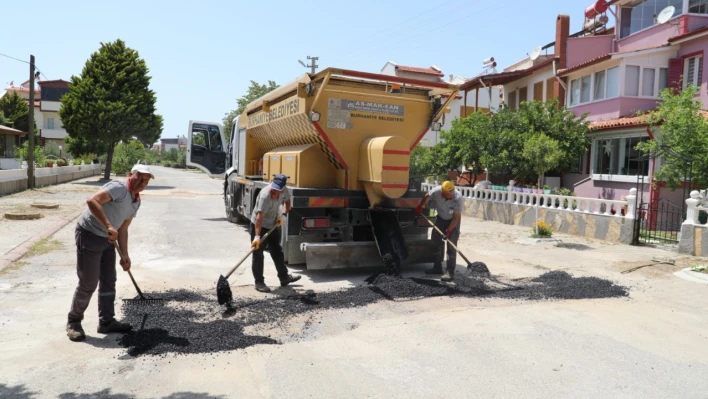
x=111 y=101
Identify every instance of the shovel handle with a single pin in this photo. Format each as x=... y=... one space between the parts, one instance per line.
x=250 y=252
x=120 y=253
x=448 y=241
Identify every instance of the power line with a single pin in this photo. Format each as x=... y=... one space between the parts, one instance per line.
x=392 y=29
x=408 y=39
x=26 y=62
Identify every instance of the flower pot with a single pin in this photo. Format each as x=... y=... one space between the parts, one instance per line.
x=546 y=191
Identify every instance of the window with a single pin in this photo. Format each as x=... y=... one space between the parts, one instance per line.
x=631 y=81
x=618 y=156
x=613 y=82
x=693 y=71
x=549 y=90
x=4 y=140
x=663 y=79
x=698 y=6
x=600 y=83
x=511 y=101
x=648 y=76
x=49 y=123
x=641 y=14
x=580 y=90
x=538 y=91
x=523 y=95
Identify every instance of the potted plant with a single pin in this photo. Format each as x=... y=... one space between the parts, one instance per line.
x=546 y=189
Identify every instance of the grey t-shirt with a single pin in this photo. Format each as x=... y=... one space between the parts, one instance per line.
x=446 y=208
x=121 y=208
x=269 y=207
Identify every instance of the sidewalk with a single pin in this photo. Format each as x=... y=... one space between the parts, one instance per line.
x=17 y=236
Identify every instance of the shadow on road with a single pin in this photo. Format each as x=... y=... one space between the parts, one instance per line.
x=222 y=219
x=106 y=394
x=577 y=247
x=15 y=392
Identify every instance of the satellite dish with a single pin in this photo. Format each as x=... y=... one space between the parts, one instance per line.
x=665 y=14
x=535 y=53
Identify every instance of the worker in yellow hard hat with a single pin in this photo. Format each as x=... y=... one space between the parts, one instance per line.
x=449 y=205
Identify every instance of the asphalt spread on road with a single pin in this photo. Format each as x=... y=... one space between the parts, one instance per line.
x=190 y=321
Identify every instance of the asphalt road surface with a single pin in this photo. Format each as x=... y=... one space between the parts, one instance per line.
x=653 y=344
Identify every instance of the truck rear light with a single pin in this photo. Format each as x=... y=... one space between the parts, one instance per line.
x=316 y=223
x=420 y=221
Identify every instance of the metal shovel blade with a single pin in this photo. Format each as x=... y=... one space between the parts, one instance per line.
x=477 y=268
x=223 y=291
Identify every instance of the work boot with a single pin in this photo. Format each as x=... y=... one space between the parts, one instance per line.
x=434 y=270
x=261 y=287
x=75 y=332
x=448 y=277
x=114 y=326
x=290 y=279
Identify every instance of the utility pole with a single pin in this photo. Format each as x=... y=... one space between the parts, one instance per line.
x=313 y=65
x=30 y=129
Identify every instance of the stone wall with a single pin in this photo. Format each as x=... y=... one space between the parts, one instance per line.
x=602 y=227
x=15 y=180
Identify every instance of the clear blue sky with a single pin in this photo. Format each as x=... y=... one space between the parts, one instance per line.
x=202 y=54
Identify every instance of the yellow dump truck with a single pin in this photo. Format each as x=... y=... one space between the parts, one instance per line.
x=344 y=139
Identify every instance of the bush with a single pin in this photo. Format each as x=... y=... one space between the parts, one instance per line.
x=51 y=148
x=566 y=192
x=22 y=151
x=126 y=155
x=544 y=230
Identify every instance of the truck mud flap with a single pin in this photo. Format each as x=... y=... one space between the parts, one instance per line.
x=347 y=255
x=388 y=236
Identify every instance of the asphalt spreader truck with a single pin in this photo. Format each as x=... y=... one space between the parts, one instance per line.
x=343 y=138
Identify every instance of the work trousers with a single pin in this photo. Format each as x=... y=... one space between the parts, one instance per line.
x=439 y=244
x=95 y=266
x=272 y=243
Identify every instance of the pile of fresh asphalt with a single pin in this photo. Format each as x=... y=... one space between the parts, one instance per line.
x=190 y=321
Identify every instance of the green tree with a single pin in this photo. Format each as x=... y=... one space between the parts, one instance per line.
x=22 y=151
x=682 y=140
x=504 y=139
x=542 y=153
x=126 y=155
x=111 y=101
x=255 y=91
x=465 y=142
x=16 y=112
x=79 y=146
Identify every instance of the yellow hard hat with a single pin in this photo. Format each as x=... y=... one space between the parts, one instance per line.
x=448 y=186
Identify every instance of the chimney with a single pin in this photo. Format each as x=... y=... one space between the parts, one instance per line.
x=561 y=51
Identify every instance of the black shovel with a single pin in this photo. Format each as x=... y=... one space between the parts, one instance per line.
x=223 y=289
x=472 y=267
x=143 y=299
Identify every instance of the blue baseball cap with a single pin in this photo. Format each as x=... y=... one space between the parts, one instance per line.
x=279 y=182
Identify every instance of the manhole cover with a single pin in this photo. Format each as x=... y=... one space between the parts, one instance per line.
x=45 y=206
x=22 y=215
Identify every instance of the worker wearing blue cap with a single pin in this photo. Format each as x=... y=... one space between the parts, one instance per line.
x=266 y=214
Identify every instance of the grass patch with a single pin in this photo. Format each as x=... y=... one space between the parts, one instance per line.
x=17 y=265
x=43 y=246
x=700 y=269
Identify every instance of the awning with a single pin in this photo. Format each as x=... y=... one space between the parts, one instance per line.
x=9 y=130
x=497 y=79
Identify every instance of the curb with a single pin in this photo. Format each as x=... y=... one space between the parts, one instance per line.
x=689 y=275
x=20 y=250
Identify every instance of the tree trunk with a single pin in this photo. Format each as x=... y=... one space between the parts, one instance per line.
x=109 y=161
x=539 y=182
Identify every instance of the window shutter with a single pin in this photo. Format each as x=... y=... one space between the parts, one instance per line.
x=675 y=72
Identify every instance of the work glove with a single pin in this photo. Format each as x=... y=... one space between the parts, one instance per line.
x=256 y=242
x=278 y=222
x=418 y=210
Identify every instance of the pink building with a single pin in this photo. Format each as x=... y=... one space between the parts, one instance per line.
x=612 y=77
x=612 y=74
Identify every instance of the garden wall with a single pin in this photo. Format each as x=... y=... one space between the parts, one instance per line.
x=15 y=180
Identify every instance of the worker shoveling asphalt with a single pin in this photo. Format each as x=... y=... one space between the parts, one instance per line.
x=449 y=204
x=265 y=215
